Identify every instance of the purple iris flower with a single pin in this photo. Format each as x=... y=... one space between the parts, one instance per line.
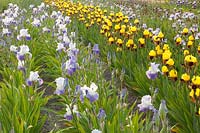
x=152 y=73
x=92 y=96
x=146 y=103
x=71 y=65
x=101 y=114
x=89 y=92
x=29 y=83
x=77 y=90
x=20 y=57
x=28 y=38
x=61 y=84
x=68 y=115
x=23 y=50
x=34 y=77
x=96 y=49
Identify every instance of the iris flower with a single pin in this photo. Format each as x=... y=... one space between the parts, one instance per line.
x=34 y=77
x=96 y=131
x=61 y=84
x=96 y=49
x=89 y=92
x=146 y=103
x=24 y=34
x=23 y=50
x=152 y=73
x=101 y=114
x=68 y=115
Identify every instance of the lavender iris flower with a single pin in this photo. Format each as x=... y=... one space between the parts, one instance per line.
x=23 y=50
x=101 y=114
x=96 y=49
x=146 y=103
x=6 y=32
x=92 y=96
x=24 y=34
x=13 y=48
x=34 y=77
x=77 y=90
x=68 y=115
x=71 y=65
x=45 y=29
x=61 y=84
x=36 y=22
x=152 y=73
x=21 y=65
x=89 y=92
x=60 y=47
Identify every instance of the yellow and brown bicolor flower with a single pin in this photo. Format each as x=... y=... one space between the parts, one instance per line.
x=194 y=95
x=198 y=49
x=166 y=56
x=173 y=74
x=185 y=31
x=136 y=22
x=129 y=43
x=170 y=62
x=141 y=42
x=165 y=70
x=186 y=52
x=185 y=77
x=119 y=42
x=191 y=38
x=190 y=44
x=146 y=33
x=152 y=54
x=160 y=35
x=198 y=112
x=166 y=47
x=190 y=60
x=195 y=82
x=117 y=27
x=111 y=40
x=133 y=29
x=156 y=40
x=178 y=41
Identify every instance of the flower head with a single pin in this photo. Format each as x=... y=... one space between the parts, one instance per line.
x=23 y=50
x=96 y=131
x=185 y=77
x=101 y=114
x=24 y=34
x=13 y=48
x=34 y=77
x=146 y=103
x=152 y=73
x=36 y=22
x=61 y=84
x=96 y=49
x=68 y=115
x=89 y=92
